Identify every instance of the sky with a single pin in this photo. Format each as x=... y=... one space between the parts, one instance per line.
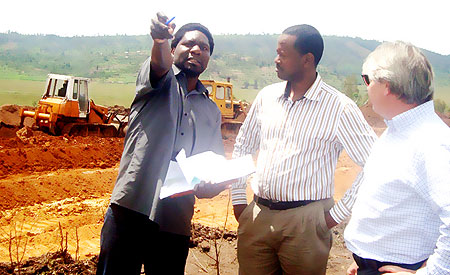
x=425 y=24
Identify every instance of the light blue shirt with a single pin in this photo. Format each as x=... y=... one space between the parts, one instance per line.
x=402 y=211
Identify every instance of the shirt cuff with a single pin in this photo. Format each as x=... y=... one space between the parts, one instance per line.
x=238 y=196
x=339 y=212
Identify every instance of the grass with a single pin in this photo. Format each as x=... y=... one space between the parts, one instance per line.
x=443 y=92
x=28 y=92
x=21 y=92
x=247 y=95
x=110 y=94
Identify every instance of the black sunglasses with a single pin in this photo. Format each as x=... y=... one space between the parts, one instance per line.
x=365 y=79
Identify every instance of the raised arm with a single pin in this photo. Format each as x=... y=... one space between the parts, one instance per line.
x=161 y=59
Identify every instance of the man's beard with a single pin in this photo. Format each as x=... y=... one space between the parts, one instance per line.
x=190 y=73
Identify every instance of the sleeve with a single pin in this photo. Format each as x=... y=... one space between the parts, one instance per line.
x=433 y=185
x=357 y=138
x=144 y=82
x=247 y=142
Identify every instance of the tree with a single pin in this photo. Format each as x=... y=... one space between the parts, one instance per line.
x=440 y=105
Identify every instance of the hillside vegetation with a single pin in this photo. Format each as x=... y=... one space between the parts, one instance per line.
x=246 y=59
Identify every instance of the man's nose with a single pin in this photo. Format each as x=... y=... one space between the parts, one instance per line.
x=276 y=60
x=195 y=49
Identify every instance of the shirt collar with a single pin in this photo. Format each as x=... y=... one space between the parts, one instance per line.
x=313 y=93
x=405 y=119
x=199 y=89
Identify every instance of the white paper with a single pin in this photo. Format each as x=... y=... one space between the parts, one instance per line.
x=208 y=166
x=175 y=182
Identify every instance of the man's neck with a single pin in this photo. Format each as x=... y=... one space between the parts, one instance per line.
x=299 y=87
x=192 y=83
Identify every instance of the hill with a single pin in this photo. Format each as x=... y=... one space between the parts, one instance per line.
x=247 y=59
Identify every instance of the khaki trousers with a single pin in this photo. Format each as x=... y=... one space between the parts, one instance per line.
x=293 y=241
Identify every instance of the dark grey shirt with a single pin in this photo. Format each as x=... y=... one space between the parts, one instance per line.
x=163 y=120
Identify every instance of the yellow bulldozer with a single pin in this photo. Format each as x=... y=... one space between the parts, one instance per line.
x=65 y=108
x=233 y=111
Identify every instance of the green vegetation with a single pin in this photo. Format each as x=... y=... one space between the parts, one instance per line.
x=26 y=92
x=112 y=62
x=21 y=92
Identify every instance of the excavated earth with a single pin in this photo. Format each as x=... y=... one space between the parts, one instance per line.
x=54 y=191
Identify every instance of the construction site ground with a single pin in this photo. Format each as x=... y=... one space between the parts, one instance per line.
x=54 y=191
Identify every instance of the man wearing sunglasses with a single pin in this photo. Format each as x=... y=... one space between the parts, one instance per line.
x=299 y=126
x=401 y=218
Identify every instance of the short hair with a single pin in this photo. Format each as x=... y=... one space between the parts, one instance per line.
x=308 y=40
x=405 y=68
x=193 y=27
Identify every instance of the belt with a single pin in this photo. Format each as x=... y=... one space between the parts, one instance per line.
x=281 y=205
x=369 y=264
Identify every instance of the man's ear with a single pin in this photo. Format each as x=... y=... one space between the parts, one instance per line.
x=309 y=58
x=172 y=50
x=387 y=89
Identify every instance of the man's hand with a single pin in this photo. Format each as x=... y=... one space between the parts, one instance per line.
x=329 y=220
x=161 y=58
x=159 y=30
x=207 y=190
x=238 y=209
x=352 y=269
x=392 y=269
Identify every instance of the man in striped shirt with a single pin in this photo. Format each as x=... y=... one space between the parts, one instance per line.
x=300 y=126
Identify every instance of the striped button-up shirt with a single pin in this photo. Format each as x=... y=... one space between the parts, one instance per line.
x=299 y=143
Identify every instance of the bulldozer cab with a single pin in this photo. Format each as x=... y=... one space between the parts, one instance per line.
x=222 y=94
x=233 y=111
x=69 y=88
x=80 y=92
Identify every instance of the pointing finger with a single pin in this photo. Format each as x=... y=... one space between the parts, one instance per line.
x=162 y=17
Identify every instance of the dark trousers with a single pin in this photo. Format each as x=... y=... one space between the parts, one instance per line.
x=370 y=267
x=129 y=239
x=170 y=257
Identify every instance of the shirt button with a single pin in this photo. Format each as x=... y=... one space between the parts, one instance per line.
x=182 y=134
x=185 y=114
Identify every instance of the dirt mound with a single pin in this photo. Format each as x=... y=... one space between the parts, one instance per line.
x=120 y=110
x=37 y=152
x=7 y=131
x=203 y=235
x=60 y=262
x=10 y=116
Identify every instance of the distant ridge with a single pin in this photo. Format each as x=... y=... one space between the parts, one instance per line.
x=247 y=59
